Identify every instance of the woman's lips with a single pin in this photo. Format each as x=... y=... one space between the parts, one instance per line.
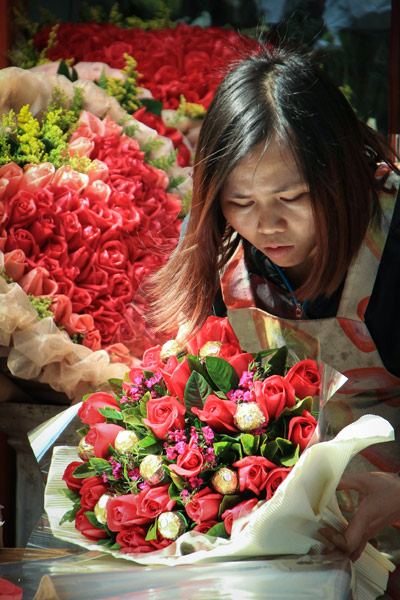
x=277 y=252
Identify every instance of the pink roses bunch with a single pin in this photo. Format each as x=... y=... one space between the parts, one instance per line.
x=193 y=439
x=184 y=60
x=87 y=241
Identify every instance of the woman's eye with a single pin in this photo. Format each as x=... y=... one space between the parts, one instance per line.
x=294 y=198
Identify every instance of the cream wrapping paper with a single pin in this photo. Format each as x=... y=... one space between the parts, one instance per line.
x=286 y=524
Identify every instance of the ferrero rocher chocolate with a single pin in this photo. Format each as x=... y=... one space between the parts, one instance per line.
x=172 y=348
x=210 y=349
x=225 y=481
x=100 y=509
x=249 y=416
x=151 y=469
x=85 y=450
x=125 y=441
x=170 y=525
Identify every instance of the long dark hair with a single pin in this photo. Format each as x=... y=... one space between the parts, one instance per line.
x=286 y=95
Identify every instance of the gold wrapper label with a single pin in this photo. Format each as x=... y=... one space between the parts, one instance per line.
x=170 y=525
x=210 y=349
x=172 y=348
x=249 y=416
x=125 y=441
x=85 y=450
x=100 y=510
x=225 y=481
x=151 y=469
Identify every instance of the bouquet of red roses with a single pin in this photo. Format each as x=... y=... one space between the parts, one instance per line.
x=192 y=440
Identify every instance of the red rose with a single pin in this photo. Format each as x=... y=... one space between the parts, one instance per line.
x=240 y=362
x=84 y=526
x=92 y=340
x=80 y=299
x=100 y=436
x=14 y=264
x=237 y=512
x=215 y=329
x=164 y=414
x=112 y=256
x=137 y=509
x=273 y=395
x=72 y=483
x=91 y=491
x=204 y=506
x=43 y=226
x=253 y=473
x=89 y=411
x=38 y=283
x=13 y=174
x=218 y=414
x=133 y=540
x=204 y=526
x=275 y=478
x=301 y=429
x=21 y=210
x=10 y=591
x=305 y=379
x=61 y=308
x=178 y=380
x=190 y=463
x=23 y=240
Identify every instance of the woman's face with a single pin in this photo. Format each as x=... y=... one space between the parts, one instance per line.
x=267 y=202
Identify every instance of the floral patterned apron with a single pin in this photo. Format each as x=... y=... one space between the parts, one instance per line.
x=343 y=342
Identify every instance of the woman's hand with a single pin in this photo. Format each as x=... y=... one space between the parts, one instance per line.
x=378 y=506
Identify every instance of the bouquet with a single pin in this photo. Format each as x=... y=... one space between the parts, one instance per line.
x=194 y=439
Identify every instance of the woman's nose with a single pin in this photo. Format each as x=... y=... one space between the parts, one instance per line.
x=271 y=221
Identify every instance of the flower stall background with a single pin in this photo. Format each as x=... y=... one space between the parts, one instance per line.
x=101 y=107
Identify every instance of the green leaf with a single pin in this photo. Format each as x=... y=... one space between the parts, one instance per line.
x=249 y=443
x=196 y=365
x=99 y=464
x=103 y=79
x=115 y=384
x=83 y=431
x=222 y=373
x=148 y=374
x=70 y=515
x=152 y=449
x=70 y=494
x=174 y=493
x=91 y=517
x=277 y=363
x=147 y=441
x=196 y=391
x=116 y=546
x=153 y=106
x=74 y=74
x=218 y=530
x=83 y=471
x=289 y=461
x=228 y=452
x=111 y=413
x=133 y=420
x=229 y=502
x=177 y=480
x=63 y=70
x=152 y=532
x=143 y=404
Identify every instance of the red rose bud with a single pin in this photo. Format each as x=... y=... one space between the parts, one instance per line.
x=84 y=526
x=305 y=378
x=301 y=429
x=275 y=478
x=273 y=395
x=164 y=414
x=237 y=512
x=218 y=414
x=253 y=473
x=101 y=436
x=89 y=411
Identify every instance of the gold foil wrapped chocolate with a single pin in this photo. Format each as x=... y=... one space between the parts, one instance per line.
x=151 y=469
x=225 y=481
x=210 y=349
x=125 y=441
x=85 y=450
x=100 y=509
x=171 y=525
x=172 y=348
x=249 y=416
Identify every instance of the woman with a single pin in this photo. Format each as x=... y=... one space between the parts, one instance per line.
x=295 y=236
